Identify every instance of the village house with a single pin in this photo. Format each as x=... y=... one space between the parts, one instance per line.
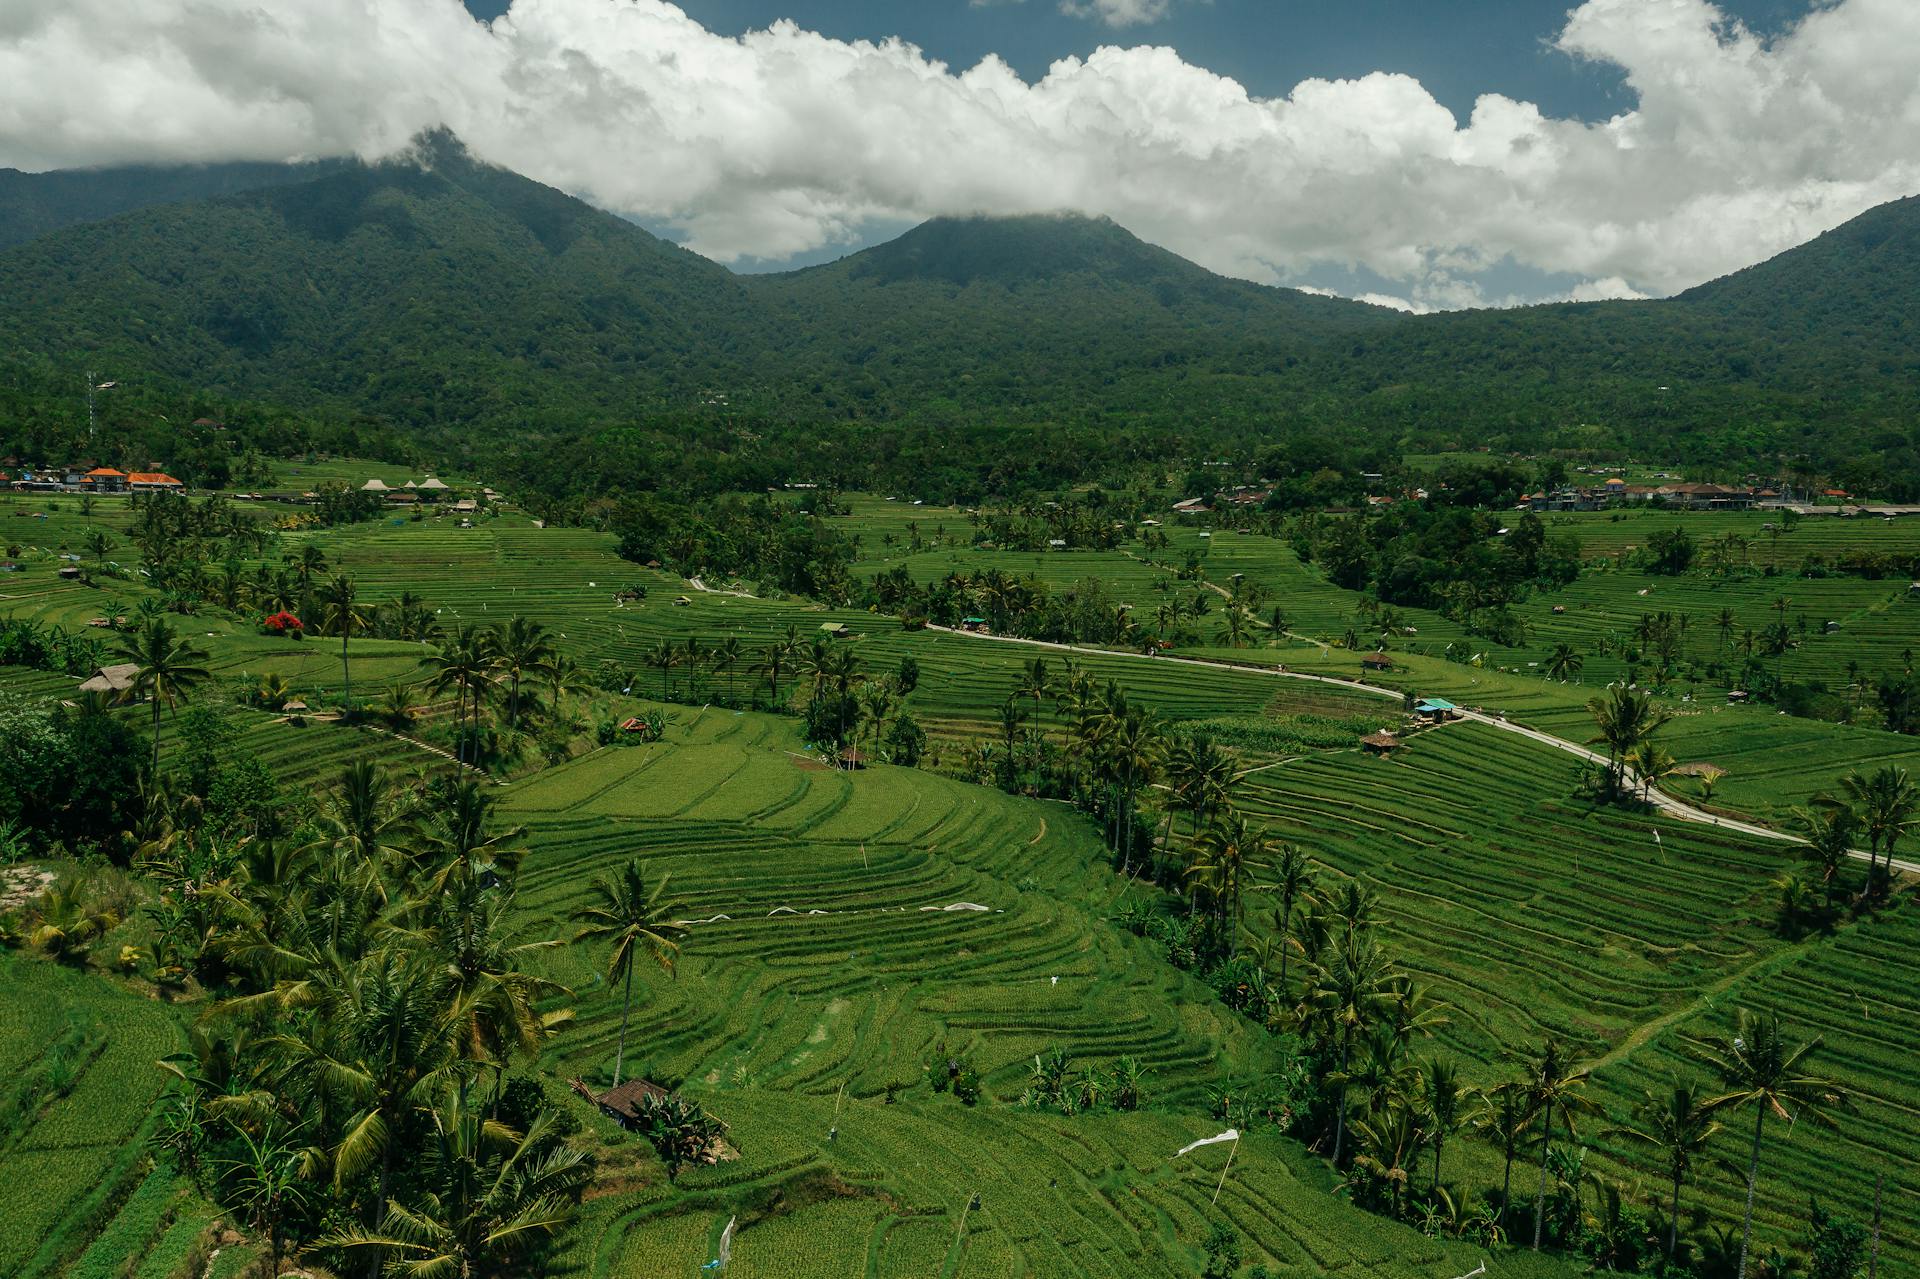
x=104 y=479
x=154 y=482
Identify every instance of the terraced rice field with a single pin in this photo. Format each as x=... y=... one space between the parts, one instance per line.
x=1858 y=992
x=1610 y=533
x=853 y=923
x=76 y=1058
x=1530 y=911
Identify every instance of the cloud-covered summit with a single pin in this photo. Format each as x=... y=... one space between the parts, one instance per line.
x=782 y=141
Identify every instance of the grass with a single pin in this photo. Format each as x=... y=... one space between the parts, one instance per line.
x=78 y=1055
x=838 y=970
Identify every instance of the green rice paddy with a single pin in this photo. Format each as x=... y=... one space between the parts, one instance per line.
x=854 y=925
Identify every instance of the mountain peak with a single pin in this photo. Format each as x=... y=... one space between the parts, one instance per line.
x=1020 y=249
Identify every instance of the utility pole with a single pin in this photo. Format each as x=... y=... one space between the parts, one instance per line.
x=92 y=387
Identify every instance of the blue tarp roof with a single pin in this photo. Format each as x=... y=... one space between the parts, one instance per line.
x=1434 y=704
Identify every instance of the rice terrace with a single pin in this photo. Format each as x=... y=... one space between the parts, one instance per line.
x=798 y=640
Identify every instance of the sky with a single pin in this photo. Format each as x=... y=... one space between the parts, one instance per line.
x=1427 y=154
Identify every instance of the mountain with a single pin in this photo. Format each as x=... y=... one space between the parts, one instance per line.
x=34 y=204
x=433 y=290
x=1027 y=313
x=461 y=302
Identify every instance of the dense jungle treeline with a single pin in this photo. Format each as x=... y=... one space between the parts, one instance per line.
x=575 y=354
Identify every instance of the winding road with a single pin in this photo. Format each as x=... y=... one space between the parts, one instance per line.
x=1667 y=804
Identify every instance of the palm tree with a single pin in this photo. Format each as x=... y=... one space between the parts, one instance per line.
x=486 y=975
x=693 y=655
x=1829 y=828
x=633 y=919
x=1034 y=683
x=663 y=657
x=1505 y=1117
x=396 y=705
x=1654 y=765
x=1350 y=991
x=497 y=1196
x=726 y=656
x=365 y=818
x=1626 y=718
x=1225 y=858
x=776 y=657
x=1725 y=622
x=463 y=663
x=1012 y=716
x=563 y=676
x=1564 y=664
x=168 y=670
x=525 y=651
x=1236 y=627
x=1293 y=881
x=1444 y=1100
x=1776 y=639
x=1557 y=1085
x=98 y=543
x=380 y=1043
x=1677 y=1126
x=876 y=707
x=311 y=562
x=1887 y=805
x=1761 y=1071
x=340 y=613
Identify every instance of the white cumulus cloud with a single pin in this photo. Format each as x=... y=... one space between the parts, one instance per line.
x=783 y=141
x=1117 y=13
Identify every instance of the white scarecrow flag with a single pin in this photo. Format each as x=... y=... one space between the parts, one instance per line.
x=726 y=1248
x=1232 y=1135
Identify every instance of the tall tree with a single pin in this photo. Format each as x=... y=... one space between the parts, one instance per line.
x=1350 y=992
x=1293 y=882
x=494 y=1196
x=1763 y=1073
x=340 y=613
x=526 y=652
x=1626 y=718
x=168 y=670
x=464 y=663
x=1886 y=804
x=1558 y=1087
x=1676 y=1126
x=633 y=919
x=1444 y=1100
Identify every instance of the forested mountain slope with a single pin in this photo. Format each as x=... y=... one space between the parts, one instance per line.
x=460 y=302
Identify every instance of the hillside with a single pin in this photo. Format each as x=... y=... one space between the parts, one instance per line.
x=436 y=291
x=470 y=308
x=35 y=204
x=1035 y=312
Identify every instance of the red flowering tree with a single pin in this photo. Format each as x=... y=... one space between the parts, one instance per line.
x=281 y=623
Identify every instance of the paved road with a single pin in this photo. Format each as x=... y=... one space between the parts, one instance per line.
x=1665 y=803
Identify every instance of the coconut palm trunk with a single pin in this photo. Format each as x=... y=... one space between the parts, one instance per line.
x=1753 y=1180
x=1673 y=1218
x=1540 y=1201
x=626 y=1011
